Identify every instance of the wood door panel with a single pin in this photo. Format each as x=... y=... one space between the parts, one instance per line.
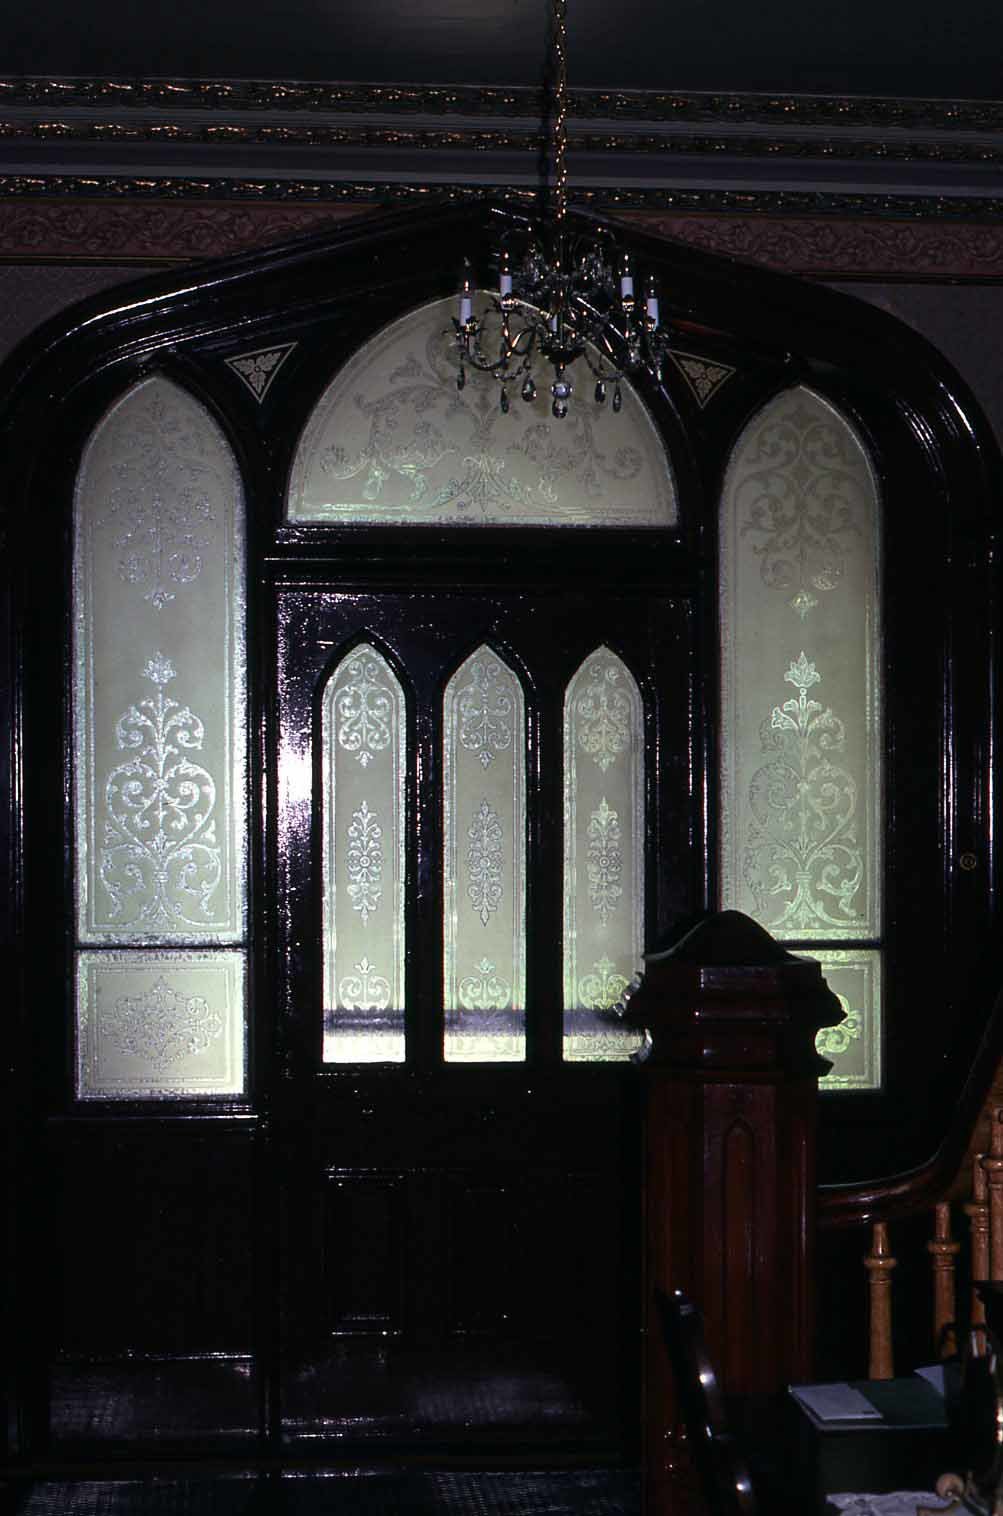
x=154 y=1239
x=460 y=1255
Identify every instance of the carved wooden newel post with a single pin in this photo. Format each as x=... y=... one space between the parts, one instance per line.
x=731 y=1092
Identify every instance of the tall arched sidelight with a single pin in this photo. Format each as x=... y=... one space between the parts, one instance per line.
x=158 y=697
x=484 y=861
x=801 y=747
x=603 y=853
x=364 y=738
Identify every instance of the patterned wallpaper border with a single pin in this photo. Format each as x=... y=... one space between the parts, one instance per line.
x=74 y=229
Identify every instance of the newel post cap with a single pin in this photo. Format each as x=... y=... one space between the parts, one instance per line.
x=728 y=997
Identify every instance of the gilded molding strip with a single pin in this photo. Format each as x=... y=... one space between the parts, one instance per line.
x=480 y=100
x=814 y=203
x=481 y=140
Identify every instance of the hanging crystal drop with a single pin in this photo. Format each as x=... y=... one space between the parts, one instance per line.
x=529 y=389
x=617 y=398
x=504 y=400
x=600 y=392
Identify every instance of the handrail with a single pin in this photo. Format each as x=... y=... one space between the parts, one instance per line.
x=916 y=1189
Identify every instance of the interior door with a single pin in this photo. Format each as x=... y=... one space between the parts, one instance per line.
x=461 y=1238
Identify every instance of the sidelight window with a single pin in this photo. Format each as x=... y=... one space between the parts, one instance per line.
x=158 y=704
x=801 y=711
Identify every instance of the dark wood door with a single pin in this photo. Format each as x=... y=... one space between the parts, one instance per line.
x=461 y=1241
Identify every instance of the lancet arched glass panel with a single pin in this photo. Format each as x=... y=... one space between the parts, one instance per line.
x=392 y=440
x=160 y=800
x=801 y=754
x=364 y=736
x=603 y=854
x=484 y=862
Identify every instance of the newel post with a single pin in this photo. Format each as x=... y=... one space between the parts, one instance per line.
x=731 y=1090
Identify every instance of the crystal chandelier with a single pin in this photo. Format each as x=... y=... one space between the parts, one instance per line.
x=562 y=297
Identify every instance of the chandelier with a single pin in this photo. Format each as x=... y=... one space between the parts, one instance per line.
x=562 y=297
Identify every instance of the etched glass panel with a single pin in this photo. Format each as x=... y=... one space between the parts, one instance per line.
x=801 y=752
x=364 y=736
x=159 y=723
x=392 y=440
x=159 y=1023
x=603 y=854
x=854 y=1047
x=159 y=680
x=484 y=862
x=801 y=716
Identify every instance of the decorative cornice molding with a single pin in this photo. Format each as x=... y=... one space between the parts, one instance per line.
x=150 y=230
x=427 y=139
x=292 y=96
x=810 y=202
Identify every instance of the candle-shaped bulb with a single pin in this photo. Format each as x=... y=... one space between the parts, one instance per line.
x=505 y=276
x=651 y=304
x=626 y=279
x=466 y=303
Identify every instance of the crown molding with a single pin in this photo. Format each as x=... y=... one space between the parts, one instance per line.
x=622 y=143
x=292 y=97
x=985 y=210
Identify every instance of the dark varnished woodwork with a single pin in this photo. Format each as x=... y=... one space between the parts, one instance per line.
x=320 y=1132
x=731 y=1094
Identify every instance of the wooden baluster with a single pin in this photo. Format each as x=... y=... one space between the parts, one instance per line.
x=943 y=1250
x=879 y=1264
x=993 y=1165
x=977 y=1210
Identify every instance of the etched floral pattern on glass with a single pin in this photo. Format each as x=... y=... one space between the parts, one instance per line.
x=362 y=804
x=603 y=854
x=801 y=814
x=159 y=691
x=393 y=440
x=484 y=861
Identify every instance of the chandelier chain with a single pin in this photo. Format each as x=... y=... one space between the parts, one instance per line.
x=560 y=112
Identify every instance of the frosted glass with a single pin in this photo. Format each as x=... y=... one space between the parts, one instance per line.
x=159 y=1023
x=393 y=440
x=603 y=854
x=854 y=976
x=159 y=677
x=364 y=736
x=801 y=776
x=484 y=862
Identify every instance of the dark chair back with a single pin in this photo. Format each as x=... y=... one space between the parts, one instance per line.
x=724 y=1475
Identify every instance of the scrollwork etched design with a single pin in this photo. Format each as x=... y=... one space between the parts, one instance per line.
x=834 y=1040
x=160 y=861
x=394 y=439
x=605 y=862
x=364 y=862
x=603 y=712
x=485 y=989
x=365 y=989
x=364 y=709
x=162 y=1025
x=803 y=503
x=802 y=840
x=485 y=708
x=602 y=988
x=159 y=505
x=484 y=862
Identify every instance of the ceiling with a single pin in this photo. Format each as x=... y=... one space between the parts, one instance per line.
x=887 y=47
